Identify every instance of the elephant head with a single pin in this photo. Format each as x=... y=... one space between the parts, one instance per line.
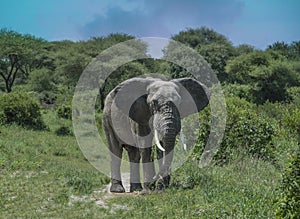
x=159 y=106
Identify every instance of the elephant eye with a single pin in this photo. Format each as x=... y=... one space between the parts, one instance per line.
x=154 y=105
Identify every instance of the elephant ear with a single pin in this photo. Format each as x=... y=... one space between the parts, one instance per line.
x=194 y=96
x=130 y=97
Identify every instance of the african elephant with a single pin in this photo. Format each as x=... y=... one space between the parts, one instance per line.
x=140 y=109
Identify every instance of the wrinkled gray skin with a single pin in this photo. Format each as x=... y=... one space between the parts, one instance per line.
x=137 y=107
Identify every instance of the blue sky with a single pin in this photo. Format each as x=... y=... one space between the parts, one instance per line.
x=255 y=22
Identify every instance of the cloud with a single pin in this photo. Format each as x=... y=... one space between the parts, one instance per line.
x=163 y=18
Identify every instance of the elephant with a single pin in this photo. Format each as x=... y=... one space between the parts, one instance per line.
x=140 y=110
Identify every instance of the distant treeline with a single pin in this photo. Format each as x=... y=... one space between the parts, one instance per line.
x=52 y=69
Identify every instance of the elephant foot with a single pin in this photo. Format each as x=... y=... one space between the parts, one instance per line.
x=116 y=186
x=145 y=191
x=148 y=188
x=163 y=183
x=135 y=187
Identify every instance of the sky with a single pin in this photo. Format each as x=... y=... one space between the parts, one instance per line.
x=256 y=22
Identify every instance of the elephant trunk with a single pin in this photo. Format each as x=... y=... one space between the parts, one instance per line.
x=167 y=121
x=167 y=124
x=165 y=156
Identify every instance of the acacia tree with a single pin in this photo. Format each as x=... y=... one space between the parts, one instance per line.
x=217 y=55
x=215 y=48
x=200 y=36
x=19 y=55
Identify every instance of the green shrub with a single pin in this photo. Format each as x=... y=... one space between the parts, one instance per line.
x=291 y=120
x=244 y=91
x=272 y=110
x=294 y=95
x=63 y=130
x=287 y=115
x=47 y=97
x=64 y=111
x=288 y=202
x=246 y=133
x=21 y=109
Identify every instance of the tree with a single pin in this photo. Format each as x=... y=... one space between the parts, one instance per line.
x=19 y=54
x=282 y=47
x=239 y=69
x=200 y=36
x=290 y=51
x=217 y=55
x=96 y=45
x=295 y=50
x=41 y=80
x=244 y=49
x=269 y=78
x=215 y=48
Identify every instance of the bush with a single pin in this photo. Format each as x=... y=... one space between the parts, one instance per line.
x=287 y=115
x=21 y=109
x=47 y=97
x=64 y=111
x=273 y=110
x=244 y=91
x=288 y=202
x=294 y=95
x=63 y=130
x=291 y=120
x=246 y=133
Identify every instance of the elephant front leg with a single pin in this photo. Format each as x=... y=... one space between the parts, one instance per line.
x=148 y=170
x=164 y=163
x=134 y=158
x=116 y=151
x=116 y=182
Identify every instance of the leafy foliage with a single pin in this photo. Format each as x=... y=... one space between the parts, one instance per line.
x=291 y=51
x=63 y=130
x=19 y=55
x=41 y=80
x=242 y=91
x=64 y=111
x=269 y=77
x=288 y=202
x=217 y=55
x=244 y=49
x=200 y=36
x=247 y=133
x=20 y=109
x=215 y=48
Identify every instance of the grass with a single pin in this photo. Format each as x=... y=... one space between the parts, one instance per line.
x=240 y=190
x=39 y=171
x=45 y=175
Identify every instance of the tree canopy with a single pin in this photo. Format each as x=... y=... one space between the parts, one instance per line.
x=52 y=69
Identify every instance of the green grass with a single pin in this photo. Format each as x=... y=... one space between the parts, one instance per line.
x=41 y=174
x=242 y=190
x=39 y=171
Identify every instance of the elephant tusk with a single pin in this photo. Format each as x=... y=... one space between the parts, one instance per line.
x=182 y=138
x=157 y=140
